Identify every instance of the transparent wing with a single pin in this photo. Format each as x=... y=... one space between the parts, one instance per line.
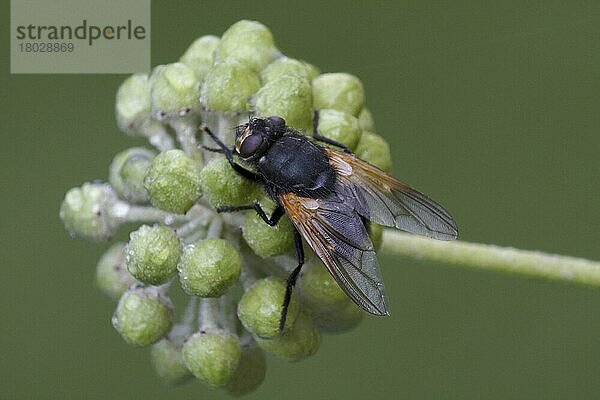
x=390 y=202
x=336 y=233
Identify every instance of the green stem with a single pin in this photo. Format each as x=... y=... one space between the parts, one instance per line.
x=495 y=258
x=215 y=228
x=133 y=213
x=185 y=131
x=228 y=312
x=209 y=314
x=157 y=135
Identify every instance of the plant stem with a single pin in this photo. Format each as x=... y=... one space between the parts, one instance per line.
x=215 y=228
x=157 y=135
x=185 y=130
x=228 y=312
x=495 y=258
x=134 y=213
x=209 y=314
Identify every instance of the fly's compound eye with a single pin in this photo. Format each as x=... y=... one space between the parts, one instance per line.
x=277 y=122
x=250 y=145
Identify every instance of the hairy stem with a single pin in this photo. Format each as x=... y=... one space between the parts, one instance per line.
x=185 y=130
x=157 y=135
x=134 y=213
x=495 y=258
x=209 y=314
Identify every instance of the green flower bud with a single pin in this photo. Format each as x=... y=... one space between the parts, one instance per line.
x=365 y=120
x=376 y=234
x=143 y=316
x=173 y=181
x=249 y=42
x=295 y=344
x=222 y=186
x=175 y=90
x=86 y=211
x=209 y=268
x=312 y=71
x=340 y=91
x=127 y=172
x=168 y=362
x=285 y=66
x=200 y=55
x=288 y=96
x=213 y=356
x=228 y=86
x=152 y=254
x=338 y=320
x=133 y=103
x=112 y=277
x=250 y=372
x=339 y=126
x=259 y=309
x=265 y=240
x=318 y=290
x=373 y=149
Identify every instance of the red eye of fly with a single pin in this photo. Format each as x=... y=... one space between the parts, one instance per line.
x=250 y=145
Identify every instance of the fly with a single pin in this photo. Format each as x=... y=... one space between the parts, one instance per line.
x=329 y=195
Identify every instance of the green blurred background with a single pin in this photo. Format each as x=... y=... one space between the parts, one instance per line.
x=493 y=108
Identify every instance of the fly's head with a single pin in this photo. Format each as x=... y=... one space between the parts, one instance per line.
x=256 y=136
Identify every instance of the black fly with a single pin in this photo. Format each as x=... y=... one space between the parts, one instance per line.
x=328 y=194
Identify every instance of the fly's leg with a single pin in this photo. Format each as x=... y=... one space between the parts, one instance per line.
x=323 y=139
x=229 y=155
x=291 y=280
x=275 y=217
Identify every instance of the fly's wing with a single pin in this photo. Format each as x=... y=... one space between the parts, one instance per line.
x=390 y=202
x=336 y=233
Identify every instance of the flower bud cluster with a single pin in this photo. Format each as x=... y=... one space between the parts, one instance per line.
x=232 y=266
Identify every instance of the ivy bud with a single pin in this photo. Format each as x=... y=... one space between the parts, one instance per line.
x=86 y=211
x=259 y=309
x=209 y=268
x=373 y=149
x=338 y=320
x=339 y=126
x=112 y=277
x=152 y=254
x=222 y=186
x=249 y=42
x=168 y=362
x=365 y=120
x=200 y=55
x=175 y=90
x=312 y=71
x=265 y=240
x=250 y=372
x=143 y=316
x=299 y=342
x=228 y=86
x=173 y=181
x=127 y=172
x=318 y=290
x=133 y=103
x=286 y=66
x=340 y=91
x=212 y=356
x=288 y=96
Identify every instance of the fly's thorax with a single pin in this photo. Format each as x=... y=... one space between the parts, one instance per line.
x=295 y=164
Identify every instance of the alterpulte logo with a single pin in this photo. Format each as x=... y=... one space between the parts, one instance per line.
x=84 y=31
